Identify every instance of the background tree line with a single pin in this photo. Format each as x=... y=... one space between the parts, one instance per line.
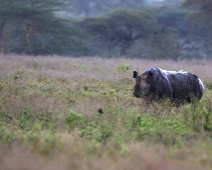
x=138 y=28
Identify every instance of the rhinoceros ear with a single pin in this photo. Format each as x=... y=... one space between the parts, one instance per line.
x=135 y=74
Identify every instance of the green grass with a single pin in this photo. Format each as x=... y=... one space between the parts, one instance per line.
x=49 y=115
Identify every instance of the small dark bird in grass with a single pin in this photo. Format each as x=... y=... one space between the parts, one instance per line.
x=100 y=111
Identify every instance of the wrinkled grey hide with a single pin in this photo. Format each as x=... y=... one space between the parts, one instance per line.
x=177 y=85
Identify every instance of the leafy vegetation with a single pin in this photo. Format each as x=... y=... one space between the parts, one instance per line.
x=50 y=112
x=120 y=29
x=200 y=19
x=31 y=27
x=136 y=29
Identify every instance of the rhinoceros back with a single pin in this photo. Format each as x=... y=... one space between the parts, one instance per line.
x=184 y=85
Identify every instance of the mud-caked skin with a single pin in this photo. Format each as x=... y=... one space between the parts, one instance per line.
x=179 y=86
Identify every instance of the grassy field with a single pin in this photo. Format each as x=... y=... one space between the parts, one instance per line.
x=49 y=117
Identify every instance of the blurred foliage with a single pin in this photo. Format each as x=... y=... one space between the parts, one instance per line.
x=155 y=30
x=97 y=7
x=122 y=68
x=120 y=29
x=32 y=27
x=200 y=17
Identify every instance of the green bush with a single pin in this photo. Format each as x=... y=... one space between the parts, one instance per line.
x=123 y=68
x=75 y=120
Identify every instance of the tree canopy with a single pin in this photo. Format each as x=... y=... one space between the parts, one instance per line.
x=120 y=29
x=161 y=29
x=200 y=16
x=32 y=27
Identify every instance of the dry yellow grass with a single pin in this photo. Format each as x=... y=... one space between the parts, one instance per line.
x=48 y=83
x=141 y=157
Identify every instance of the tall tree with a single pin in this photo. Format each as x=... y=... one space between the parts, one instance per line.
x=120 y=29
x=98 y=7
x=200 y=16
x=32 y=27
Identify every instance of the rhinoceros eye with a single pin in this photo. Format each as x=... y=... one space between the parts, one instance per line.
x=138 y=79
x=150 y=74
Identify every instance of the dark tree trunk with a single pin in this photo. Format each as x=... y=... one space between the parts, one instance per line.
x=124 y=47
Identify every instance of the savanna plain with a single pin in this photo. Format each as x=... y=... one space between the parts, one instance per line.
x=49 y=116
